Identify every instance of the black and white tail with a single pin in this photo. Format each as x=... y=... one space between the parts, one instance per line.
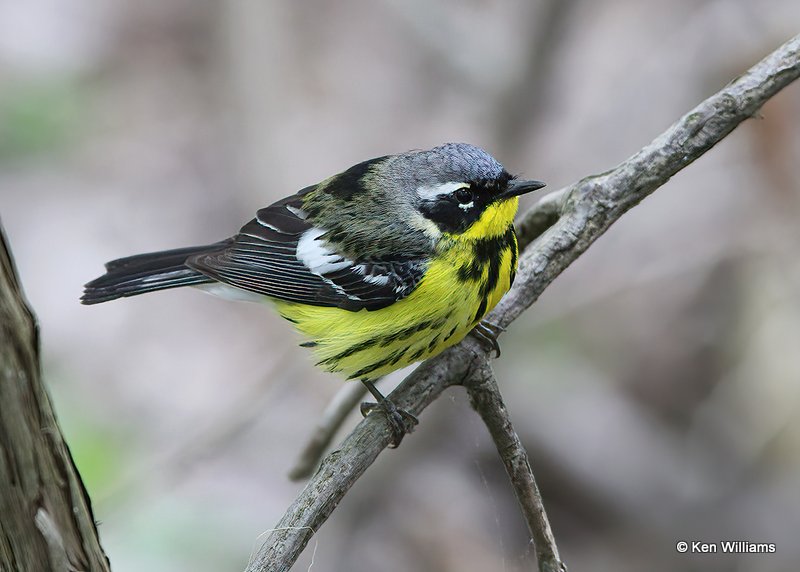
x=147 y=273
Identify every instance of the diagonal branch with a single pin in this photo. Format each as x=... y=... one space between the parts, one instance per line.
x=590 y=207
x=342 y=404
x=485 y=397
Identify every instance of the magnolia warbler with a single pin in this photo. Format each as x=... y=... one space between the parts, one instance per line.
x=385 y=264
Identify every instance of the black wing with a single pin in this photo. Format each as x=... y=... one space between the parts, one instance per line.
x=283 y=255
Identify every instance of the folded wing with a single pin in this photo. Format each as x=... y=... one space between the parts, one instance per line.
x=283 y=255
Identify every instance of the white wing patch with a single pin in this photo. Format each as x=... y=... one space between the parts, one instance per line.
x=433 y=191
x=377 y=279
x=317 y=257
x=281 y=255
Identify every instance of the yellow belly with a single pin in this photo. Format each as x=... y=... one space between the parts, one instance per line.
x=436 y=315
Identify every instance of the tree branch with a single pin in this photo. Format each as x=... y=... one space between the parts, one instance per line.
x=485 y=397
x=541 y=216
x=46 y=521
x=342 y=404
x=342 y=467
x=589 y=209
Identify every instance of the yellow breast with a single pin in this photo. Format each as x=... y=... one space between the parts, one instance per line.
x=466 y=279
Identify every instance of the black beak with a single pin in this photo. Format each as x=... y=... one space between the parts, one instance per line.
x=517 y=188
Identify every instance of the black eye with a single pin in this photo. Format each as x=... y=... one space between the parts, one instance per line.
x=463 y=195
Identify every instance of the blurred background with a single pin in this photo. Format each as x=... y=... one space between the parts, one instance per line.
x=656 y=383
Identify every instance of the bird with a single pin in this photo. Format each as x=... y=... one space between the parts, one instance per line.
x=383 y=265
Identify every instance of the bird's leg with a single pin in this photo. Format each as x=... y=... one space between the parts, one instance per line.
x=486 y=333
x=400 y=422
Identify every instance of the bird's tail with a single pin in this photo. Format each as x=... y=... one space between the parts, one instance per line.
x=147 y=273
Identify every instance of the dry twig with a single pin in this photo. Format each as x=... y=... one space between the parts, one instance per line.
x=342 y=404
x=485 y=397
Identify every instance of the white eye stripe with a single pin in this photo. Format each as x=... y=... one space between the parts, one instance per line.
x=466 y=206
x=433 y=191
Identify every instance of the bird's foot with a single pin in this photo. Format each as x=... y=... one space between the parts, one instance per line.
x=486 y=333
x=400 y=421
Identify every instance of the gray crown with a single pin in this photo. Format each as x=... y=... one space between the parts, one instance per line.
x=451 y=162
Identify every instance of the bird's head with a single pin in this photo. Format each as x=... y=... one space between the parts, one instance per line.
x=459 y=189
x=411 y=200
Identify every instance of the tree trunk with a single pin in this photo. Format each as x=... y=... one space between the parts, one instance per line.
x=46 y=521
